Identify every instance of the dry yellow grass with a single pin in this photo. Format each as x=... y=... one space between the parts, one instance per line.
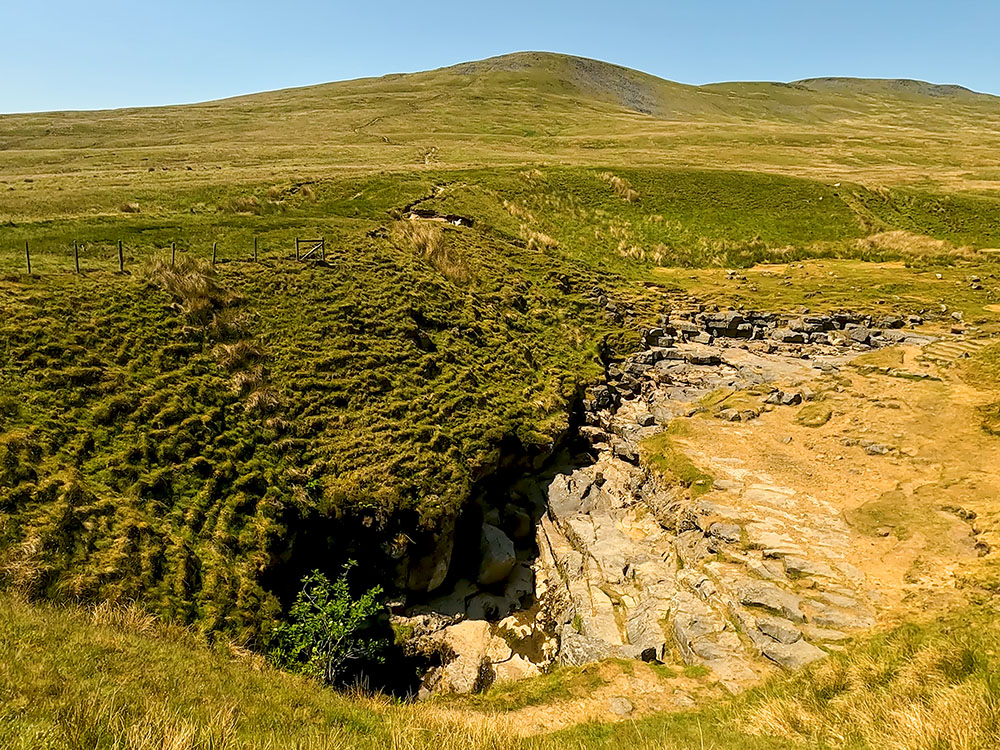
x=912 y=244
x=427 y=239
x=623 y=189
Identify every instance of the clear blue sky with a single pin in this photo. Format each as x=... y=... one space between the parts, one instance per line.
x=73 y=54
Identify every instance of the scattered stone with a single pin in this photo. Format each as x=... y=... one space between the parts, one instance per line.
x=778 y=630
x=726 y=532
x=646 y=420
x=770 y=597
x=620 y=706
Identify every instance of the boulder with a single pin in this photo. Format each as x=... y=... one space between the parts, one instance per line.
x=779 y=630
x=770 y=597
x=497 y=555
x=792 y=656
x=427 y=572
x=620 y=706
x=860 y=334
x=788 y=336
x=726 y=532
x=576 y=649
x=469 y=669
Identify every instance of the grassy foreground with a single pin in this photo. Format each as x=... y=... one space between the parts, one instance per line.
x=114 y=678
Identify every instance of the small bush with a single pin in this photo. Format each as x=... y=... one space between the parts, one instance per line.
x=329 y=630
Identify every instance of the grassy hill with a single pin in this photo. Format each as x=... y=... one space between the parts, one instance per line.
x=195 y=438
x=518 y=109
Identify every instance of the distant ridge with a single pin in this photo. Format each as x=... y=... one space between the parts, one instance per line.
x=530 y=107
x=901 y=85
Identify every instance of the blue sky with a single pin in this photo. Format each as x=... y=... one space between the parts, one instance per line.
x=85 y=55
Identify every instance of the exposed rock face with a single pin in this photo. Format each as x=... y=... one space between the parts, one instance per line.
x=743 y=579
x=473 y=656
x=498 y=556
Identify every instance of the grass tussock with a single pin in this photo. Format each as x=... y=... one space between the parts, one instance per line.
x=238 y=355
x=428 y=241
x=622 y=187
x=244 y=204
x=538 y=241
x=193 y=284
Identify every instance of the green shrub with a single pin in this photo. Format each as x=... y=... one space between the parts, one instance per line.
x=329 y=631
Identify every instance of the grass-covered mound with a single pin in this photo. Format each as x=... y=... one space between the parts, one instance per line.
x=197 y=441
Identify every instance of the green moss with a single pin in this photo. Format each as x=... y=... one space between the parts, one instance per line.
x=662 y=671
x=695 y=671
x=561 y=683
x=660 y=454
x=814 y=415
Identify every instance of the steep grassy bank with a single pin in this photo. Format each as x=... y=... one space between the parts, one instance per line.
x=196 y=441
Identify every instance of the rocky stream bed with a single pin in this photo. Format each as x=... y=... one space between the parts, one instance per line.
x=600 y=557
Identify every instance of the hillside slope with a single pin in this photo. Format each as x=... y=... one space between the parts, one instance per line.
x=516 y=109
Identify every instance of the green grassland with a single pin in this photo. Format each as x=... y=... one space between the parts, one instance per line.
x=519 y=109
x=115 y=678
x=194 y=438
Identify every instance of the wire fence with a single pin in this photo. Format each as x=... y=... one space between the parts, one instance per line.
x=83 y=257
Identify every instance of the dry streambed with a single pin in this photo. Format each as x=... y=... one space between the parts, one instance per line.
x=756 y=492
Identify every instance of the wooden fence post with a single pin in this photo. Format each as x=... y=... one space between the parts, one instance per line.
x=121 y=258
x=254 y=249
x=322 y=249
x=296 y=248
x=27 y=256
x=76 y=256
x=173 y=253
x=215 y=246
